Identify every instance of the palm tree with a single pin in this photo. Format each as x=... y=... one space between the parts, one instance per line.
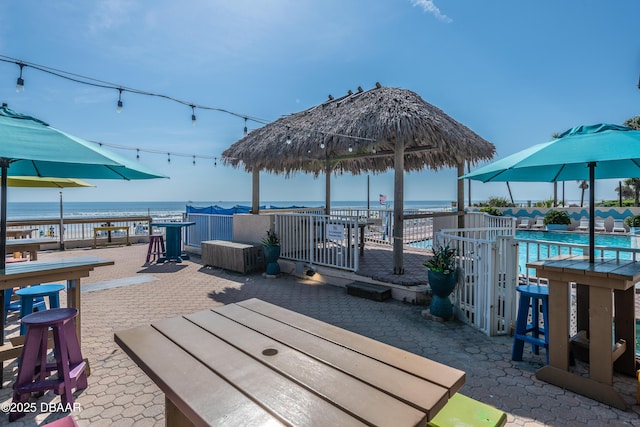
x=633 y=122
x=634 y=184
x=584 y=185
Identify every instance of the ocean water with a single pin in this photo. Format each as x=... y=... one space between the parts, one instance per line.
x=45 y=210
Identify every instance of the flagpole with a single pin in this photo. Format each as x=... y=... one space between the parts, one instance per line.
x=368 y=193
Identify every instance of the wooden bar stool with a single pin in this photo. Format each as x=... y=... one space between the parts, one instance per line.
x=156 y=247
x=531 y=298
x=34 y=370
x=32 y=293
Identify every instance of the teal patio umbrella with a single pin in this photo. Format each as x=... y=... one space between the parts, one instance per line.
x=30 y=147
x=599 y=151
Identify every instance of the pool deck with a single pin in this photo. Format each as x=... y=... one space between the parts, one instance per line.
x=131 y=293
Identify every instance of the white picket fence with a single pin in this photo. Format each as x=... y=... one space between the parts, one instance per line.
x=326 y=240
x=485 y=297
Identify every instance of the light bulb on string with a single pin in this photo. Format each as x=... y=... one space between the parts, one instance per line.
x=322 y=145
x=168 y=157
x=194 y=160
x=20 y=82
x=350 y=148
x=137 y=154
x=193 y=115
x=119 y=108
x=288 y=140
x=245 y=126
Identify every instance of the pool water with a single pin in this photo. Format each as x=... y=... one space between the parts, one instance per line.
x=608 y=240
x=611 y=240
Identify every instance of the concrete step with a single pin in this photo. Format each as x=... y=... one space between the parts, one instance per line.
x=369 y=291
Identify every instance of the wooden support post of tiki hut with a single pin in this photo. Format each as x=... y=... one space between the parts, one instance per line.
x=255 y=193
x=327 y=189
x=398 y=208
x=460 y=194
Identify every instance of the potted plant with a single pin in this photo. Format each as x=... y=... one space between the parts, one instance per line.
x=634 y=224
x=443 y=276
x=271 y=249
x=491 y=211
x=557 y=220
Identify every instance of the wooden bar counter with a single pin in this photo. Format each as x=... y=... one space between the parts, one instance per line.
x=604 y=287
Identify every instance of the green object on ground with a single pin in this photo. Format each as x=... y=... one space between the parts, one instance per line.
x=461 y=410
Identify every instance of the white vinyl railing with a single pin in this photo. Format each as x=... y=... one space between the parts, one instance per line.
x=506 y=224
x=208 y=227
x=534 y=250
x=327 y=240
x=485 y=295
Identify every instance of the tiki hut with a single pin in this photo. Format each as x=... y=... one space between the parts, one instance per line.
x=366 y=131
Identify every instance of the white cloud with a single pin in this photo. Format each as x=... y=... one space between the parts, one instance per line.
x=110 y=14
x=429 y=7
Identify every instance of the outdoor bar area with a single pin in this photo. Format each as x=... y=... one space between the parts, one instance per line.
x=392 y=315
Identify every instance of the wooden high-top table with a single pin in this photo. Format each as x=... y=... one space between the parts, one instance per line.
x=254 y=363
x=604 y=288
x=70 y=269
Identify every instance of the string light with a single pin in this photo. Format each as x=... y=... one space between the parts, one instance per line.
x=20 y=82
x=168 y=154
x=350 y=148
x=194 y=160
x=77 y=78
x=119 y=108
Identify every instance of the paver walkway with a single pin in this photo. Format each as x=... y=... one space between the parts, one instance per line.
x=131 y=293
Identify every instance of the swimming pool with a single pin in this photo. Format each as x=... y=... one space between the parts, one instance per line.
x=610 y=240
x=546 y=251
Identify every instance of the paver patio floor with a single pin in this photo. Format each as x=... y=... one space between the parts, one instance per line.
x=131 y=293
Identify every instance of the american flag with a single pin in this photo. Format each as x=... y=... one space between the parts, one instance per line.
x=383 y=198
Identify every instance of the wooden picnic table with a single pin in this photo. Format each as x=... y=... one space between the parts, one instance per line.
x=19 y=233
x=254 y=363
x=26 y=245
x=603 y=289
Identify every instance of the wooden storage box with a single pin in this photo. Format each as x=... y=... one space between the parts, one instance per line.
x=240 y=257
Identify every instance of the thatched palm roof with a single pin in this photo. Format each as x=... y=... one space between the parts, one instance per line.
x=372 y=123
x=372 y=131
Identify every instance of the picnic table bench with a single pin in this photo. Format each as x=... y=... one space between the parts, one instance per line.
x=26 y=245
x=254 y=363
x=20 y=233
x=109 y=229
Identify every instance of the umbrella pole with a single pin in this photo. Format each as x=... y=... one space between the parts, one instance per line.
x=592 y=211
x=4 y=167
x=61 y=225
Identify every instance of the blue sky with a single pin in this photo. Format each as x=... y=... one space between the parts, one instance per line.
x=514 y=72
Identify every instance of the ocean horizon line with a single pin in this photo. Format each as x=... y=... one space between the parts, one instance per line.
x=158 y=209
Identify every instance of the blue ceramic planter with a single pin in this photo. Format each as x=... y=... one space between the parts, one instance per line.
x=271 y=255
x=442 y=284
